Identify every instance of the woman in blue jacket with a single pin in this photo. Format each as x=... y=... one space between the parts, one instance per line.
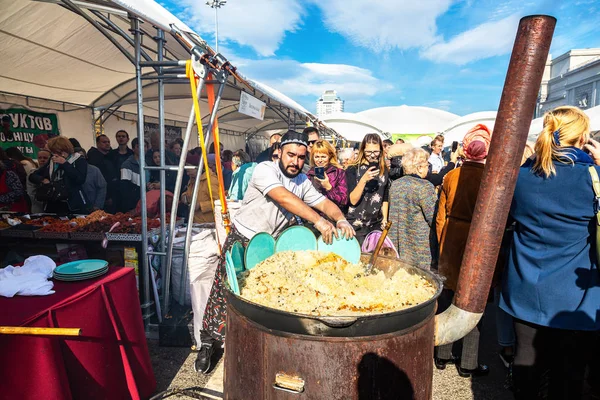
x=551 y=284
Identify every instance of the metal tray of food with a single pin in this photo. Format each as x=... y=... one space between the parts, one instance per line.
x=20 y=231
x=51 y=235
x=124 y=237
x=92 y=236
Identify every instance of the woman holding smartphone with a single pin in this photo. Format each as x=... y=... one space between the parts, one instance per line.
x=368 y=186
x=327 y=175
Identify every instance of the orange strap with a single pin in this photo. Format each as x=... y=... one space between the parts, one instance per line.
x=211 y=103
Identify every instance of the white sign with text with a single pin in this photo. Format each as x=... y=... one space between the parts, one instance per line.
x=252 y=106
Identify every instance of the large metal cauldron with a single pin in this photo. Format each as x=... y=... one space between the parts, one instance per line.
x=383 y=356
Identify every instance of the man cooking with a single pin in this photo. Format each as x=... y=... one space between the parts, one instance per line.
x=277 y=193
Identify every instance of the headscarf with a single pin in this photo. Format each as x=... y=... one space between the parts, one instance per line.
x=476 y=142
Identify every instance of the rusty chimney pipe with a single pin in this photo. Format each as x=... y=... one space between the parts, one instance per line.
x=517 y=105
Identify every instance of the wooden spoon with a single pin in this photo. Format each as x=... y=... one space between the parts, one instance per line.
x=375 y=254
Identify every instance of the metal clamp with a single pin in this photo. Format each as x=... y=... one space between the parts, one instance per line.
x=199 y=67
x=288 y=383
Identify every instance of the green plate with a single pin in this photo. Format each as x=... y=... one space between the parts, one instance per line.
x=237 y=256
x=349 y=249
x=260 y=247
x=80 y=267
x=296 y=238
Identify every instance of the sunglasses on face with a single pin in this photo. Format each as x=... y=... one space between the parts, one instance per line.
x=312 y=142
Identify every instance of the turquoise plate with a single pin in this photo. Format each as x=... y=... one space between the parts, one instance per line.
x=260 y=247
x=82 y=274
x=347 y=249
x=237 y=256
x=81 y=266
x=296 y=238
x=231 y=275
x=75 y=278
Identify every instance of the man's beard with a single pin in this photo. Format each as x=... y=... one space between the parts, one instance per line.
x=286 y=173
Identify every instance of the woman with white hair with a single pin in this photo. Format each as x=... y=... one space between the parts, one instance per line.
x=412 y=209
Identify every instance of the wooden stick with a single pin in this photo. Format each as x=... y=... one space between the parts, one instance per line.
x=26 y=330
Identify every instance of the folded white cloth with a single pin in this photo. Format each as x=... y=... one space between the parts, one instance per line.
x=29 y=280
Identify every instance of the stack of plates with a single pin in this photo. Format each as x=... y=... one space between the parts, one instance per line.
x=80 y=270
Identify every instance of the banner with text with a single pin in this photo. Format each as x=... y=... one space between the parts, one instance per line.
x=252 y=106
x=27 y=130
x=171 y=132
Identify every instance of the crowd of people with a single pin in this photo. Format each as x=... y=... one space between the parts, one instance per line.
x=546 y=287
x=66 y=179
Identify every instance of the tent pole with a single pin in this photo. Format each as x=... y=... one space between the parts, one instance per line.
x=176 y=194
x=94 y=23
x=144 y=271
x=160 y=40
x=188 y=232
x=115 y=28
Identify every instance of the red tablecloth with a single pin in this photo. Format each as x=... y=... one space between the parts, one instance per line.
x=109 y=361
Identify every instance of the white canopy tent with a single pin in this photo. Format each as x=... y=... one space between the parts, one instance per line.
x=108 y=63
x=538 y=124
x=79 y=53
x=352 y=126
x=456 y=130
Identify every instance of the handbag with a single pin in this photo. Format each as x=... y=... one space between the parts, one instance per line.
x=53 y=191
x=596 y=186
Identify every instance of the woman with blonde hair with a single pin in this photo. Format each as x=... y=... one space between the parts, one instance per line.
x=368 y=187
x=327 y=175
x=551 y=283
x=62 y=179
x=411 y=211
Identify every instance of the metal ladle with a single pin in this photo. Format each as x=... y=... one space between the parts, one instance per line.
x=375 y=254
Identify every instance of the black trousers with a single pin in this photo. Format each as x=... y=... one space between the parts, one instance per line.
x=551 y=363
x=469 y=358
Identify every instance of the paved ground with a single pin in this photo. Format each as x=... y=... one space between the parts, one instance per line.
x=175 y=374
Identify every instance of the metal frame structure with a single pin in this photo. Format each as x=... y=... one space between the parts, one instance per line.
x=166 y=68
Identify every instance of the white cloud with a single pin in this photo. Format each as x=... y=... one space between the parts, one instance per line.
x=297 y=79
x=486 y=40
x=440 y=104
x=260 y=24
x=385 y=24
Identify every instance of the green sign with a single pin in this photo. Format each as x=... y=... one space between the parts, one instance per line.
x=410 y=137
x=29 y=130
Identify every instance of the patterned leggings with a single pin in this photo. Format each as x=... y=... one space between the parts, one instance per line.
x=216 y=308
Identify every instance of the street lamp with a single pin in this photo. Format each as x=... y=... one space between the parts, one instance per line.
x=216 y=4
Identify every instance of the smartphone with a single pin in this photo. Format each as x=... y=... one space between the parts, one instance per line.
x=320 y=172
x=374 y=164
x=454 y=146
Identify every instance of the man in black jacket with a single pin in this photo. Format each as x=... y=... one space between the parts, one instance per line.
x=101 y=157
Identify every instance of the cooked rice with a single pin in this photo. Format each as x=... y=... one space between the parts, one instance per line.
x=324 y=284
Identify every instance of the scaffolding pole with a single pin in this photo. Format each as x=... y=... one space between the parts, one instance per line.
x=160 y=40
x=144 y=271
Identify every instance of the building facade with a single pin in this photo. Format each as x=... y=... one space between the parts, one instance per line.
x=570 y=79
x=329 y=103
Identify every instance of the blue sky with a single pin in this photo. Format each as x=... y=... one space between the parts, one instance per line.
x=444 y=54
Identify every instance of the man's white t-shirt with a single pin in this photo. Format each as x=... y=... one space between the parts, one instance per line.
x=259 y=213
